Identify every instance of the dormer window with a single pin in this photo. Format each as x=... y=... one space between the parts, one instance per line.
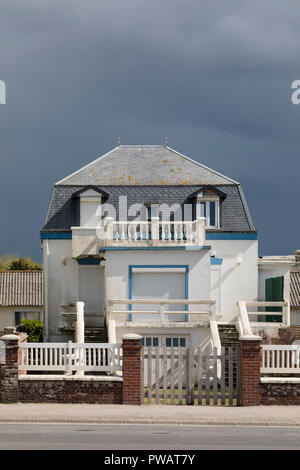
x=209 y=209
x=90 y=208
x=90 y=200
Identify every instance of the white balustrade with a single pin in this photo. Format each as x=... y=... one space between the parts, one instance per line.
x=70 y=357
x=280 y=359
x=154 y=232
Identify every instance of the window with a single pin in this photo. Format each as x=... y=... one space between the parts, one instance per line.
x=151 y=210
x=210 y=210
x=174 y=341
x=149 y=341
x=26 y=315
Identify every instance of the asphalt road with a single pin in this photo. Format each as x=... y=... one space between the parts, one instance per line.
x=133 y=437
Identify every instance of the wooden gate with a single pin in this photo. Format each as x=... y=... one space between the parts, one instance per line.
x=183 y=376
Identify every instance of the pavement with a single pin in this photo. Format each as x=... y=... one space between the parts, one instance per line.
x=150 y=414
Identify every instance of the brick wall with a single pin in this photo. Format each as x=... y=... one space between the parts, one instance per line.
x=9 y=382
x=250 y=371
x=27 y=388
x=280 y=393
x=70 y=391
x=131 y=369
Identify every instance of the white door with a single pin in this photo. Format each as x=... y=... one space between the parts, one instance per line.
x=156 y=285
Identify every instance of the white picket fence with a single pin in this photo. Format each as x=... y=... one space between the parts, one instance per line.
x=280 y=359
x=70 y=357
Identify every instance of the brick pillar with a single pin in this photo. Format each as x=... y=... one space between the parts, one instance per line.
x=250 y=370
x=9 y=382
x=131 y=369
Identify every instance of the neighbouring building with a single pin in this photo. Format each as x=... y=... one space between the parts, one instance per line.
x=21 y=297
x=157 y=244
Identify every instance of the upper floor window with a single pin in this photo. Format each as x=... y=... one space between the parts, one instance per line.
x=210 y=210
x=207 y=202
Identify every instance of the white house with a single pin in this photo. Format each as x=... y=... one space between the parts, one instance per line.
x=157 y=244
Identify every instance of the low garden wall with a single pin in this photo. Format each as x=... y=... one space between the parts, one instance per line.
x=100 y=389
x=63 y=389
x=280 y=391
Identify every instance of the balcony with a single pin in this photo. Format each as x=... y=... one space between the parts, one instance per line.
x=87 y=241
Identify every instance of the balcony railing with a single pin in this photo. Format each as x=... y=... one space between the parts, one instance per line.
x=255 y=319
x=88 y=240
x=159 y=309
x=155 y=232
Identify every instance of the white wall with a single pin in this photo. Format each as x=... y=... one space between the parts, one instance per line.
x=197 y=336
x=237 y=277
x=62 y=286
x=117 y=263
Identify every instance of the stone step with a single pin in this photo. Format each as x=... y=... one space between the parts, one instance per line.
x=95 y=335
x=229 y=336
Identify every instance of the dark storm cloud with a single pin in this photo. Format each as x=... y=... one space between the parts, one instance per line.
x=214 y=76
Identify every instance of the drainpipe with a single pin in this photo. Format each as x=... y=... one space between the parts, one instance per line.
x=46 y=253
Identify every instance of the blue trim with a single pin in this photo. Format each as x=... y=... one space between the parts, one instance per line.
x=216 y=261
x=155 y=248
x=88 y=261
x=56 y=236
x=231 y=236
x=130 y=284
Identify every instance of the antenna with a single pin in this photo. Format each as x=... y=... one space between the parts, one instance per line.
x=119 y=142
x=166 y=142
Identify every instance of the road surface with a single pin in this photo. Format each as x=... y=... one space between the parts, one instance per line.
x=133 y=437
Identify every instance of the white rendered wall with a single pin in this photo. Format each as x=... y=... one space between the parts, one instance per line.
x=65 y=283
x=197 y=336
x=237 y=277
x=117 y=263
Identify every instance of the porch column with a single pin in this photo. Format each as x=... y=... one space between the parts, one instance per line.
x=131 y=369
x=9 y=380
x=250 y=361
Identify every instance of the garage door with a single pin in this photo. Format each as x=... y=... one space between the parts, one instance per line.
x=158 y=285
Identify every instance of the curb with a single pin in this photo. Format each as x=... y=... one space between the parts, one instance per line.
x=150 y=422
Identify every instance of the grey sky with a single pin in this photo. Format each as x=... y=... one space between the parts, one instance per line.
x=213 y=76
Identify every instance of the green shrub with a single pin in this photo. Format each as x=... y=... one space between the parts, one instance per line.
x=15 y=263
x=34 y=329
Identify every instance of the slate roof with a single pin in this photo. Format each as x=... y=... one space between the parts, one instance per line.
x=295 y=290
x=64 y=210
x=21 y=289
x=144 y=165
x=146 y=174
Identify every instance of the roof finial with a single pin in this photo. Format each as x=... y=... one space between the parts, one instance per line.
x=119 y=142
x=166 y=142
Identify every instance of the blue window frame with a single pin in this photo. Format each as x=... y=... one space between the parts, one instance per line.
x=130 y=281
